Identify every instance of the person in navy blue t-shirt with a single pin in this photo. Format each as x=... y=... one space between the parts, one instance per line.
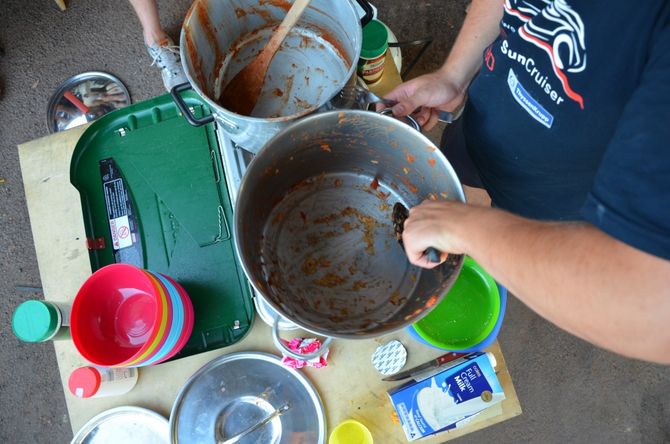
x=567 y=127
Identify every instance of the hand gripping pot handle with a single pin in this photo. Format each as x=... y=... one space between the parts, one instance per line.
x=288 y=352
x=188 y=115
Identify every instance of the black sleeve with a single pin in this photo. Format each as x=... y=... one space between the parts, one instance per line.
x=630 y=197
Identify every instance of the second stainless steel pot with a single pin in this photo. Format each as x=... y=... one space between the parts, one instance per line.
x=313 y=227
x=319 y=57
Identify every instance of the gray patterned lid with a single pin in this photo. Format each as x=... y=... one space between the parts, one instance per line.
x=389 y=358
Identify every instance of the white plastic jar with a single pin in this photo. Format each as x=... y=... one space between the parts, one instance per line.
x=97 y=382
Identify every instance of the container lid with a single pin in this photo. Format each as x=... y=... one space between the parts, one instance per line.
x=375 y=40
x=83 y=98
x=35 y=321
x=127 y=425
x=389 y=358
x=240 y=390
x=84 y=382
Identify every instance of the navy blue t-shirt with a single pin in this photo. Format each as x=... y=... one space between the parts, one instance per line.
x=569 y=117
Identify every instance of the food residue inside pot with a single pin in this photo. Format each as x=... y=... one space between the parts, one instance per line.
x=241 y=93
x=330 y=280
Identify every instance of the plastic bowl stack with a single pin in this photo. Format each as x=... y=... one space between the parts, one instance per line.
x=124 y=316
x=469 y=318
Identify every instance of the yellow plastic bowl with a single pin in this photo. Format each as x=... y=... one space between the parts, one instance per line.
x=350 y=432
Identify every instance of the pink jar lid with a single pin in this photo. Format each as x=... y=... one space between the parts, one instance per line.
x=84 y=382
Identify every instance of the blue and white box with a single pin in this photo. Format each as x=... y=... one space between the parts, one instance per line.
x=447 y=399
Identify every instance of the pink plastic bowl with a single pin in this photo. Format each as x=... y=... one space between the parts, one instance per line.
x=115 y=314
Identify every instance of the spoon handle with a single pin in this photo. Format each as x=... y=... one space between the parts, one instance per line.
x=291 y=19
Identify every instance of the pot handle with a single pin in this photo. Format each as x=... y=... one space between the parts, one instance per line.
x=411 y=121
x=183 y=107
x=288 y=352
x=368 y=11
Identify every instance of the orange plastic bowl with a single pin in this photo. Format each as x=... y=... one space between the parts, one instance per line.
x=115 y=314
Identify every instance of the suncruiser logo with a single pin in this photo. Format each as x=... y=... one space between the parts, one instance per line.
x=558 y=30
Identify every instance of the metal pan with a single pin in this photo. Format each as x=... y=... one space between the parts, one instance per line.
x=313 y=226
x=127 y=424
x=229 y=397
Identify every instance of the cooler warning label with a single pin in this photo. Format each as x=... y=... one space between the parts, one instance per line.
x=122 y=220
x=120 y=229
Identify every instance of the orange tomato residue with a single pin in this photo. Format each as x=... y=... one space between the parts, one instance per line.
x=337 y=46
x=411 y=186
x=374 y=184
x=285 y=5
x=431 y=162
x=409 y=157
x=432 y=301
x=326 y=147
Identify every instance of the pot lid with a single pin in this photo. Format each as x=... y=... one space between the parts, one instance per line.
x=235 y=392
x=127 y=425
x=83 y=98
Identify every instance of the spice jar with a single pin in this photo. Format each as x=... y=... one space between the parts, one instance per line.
x=97 y=382
x=39 y=321
x=373 y=52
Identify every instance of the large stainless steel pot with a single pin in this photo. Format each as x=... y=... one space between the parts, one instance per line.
x=313 y=224
x=318 y=57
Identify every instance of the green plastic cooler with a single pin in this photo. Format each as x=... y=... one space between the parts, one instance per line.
x=154 y=195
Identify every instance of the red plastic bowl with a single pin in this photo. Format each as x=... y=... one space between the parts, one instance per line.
x=114 y=313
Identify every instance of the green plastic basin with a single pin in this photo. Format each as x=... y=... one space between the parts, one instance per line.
x=468 y=313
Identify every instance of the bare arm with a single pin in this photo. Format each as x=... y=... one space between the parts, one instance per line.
x=573 y=274
x=479 y=30
x=445 y=88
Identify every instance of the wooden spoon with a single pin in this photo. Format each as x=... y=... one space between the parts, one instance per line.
x=241 y=93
